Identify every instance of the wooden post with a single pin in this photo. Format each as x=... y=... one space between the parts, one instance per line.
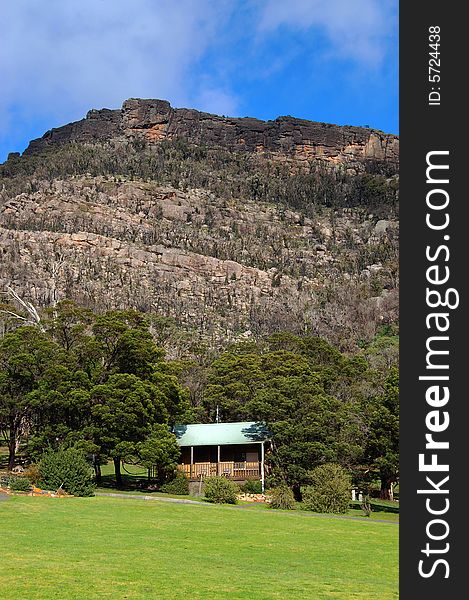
x=192 y=462
x=262 y=467
x=218 y=461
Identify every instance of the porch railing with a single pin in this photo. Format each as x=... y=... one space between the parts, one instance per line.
x=230 y=469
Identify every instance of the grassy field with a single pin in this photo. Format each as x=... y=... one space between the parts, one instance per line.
x=79 y=548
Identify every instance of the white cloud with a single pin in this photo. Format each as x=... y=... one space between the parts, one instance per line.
x=356 y=29
x=59 y=58
x=217 y=101
x=62 y=57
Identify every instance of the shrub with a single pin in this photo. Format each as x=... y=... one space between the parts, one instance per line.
x=330 y=490
x=282 y=497
x=179 y=485
x=67 y=468
x=220 y=490
x=252 y=486
x=366 y=506
x=19 y=484
x=33 y=474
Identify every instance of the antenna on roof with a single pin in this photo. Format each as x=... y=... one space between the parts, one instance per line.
x=217 y=418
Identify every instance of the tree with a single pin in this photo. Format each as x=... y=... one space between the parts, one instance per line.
x=123 y=411
x=124 y=344
x=68 y=323
x=280 y=387
x=233 y=381
x=61 y=407
x=382 y=447
x=27 y=314
x=159 y=453
x=26 y=358
x=97 y=381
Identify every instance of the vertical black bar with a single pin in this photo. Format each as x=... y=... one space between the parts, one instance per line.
x=433 y=119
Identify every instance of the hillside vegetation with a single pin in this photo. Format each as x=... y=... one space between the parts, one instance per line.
x=227 y=241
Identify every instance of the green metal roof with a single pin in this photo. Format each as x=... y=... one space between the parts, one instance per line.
x=221 y=434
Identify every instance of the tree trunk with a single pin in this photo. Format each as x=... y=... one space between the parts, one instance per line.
x=386 y=492
x=12 y=444
x=297 y=492
x=97 y=473
x=11 y=451
x=117 y=469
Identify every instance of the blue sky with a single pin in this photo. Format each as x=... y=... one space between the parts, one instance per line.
x=325 y=60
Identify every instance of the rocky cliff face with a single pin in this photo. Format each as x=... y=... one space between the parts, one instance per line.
x=285 y=137
x=223 y=261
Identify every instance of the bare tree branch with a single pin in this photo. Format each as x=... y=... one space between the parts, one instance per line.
x=9 y=312
x=33 y=317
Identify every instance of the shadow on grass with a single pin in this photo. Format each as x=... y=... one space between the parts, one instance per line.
x=130 y=483
x=377 y=507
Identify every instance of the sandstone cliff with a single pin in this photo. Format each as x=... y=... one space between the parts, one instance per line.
x=155 y=120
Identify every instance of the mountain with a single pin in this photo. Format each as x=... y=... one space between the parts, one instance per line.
x=230 y=226
x=156 y=120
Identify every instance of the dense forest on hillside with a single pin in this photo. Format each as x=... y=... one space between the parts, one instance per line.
x=100 y=382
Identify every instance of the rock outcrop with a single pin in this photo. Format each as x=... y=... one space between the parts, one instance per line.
x=156 y=120
x=99 y=125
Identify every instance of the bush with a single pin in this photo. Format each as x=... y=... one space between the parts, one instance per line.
x=366 y=506
x=220 y=490
x=67 y=468
x=19 y=484
x=282 y=497
x=33 y=474
x=330 y=490
x=179 y=485
x=252 y=486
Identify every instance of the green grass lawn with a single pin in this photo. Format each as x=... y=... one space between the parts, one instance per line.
x=86 y=548
x=128 y=470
